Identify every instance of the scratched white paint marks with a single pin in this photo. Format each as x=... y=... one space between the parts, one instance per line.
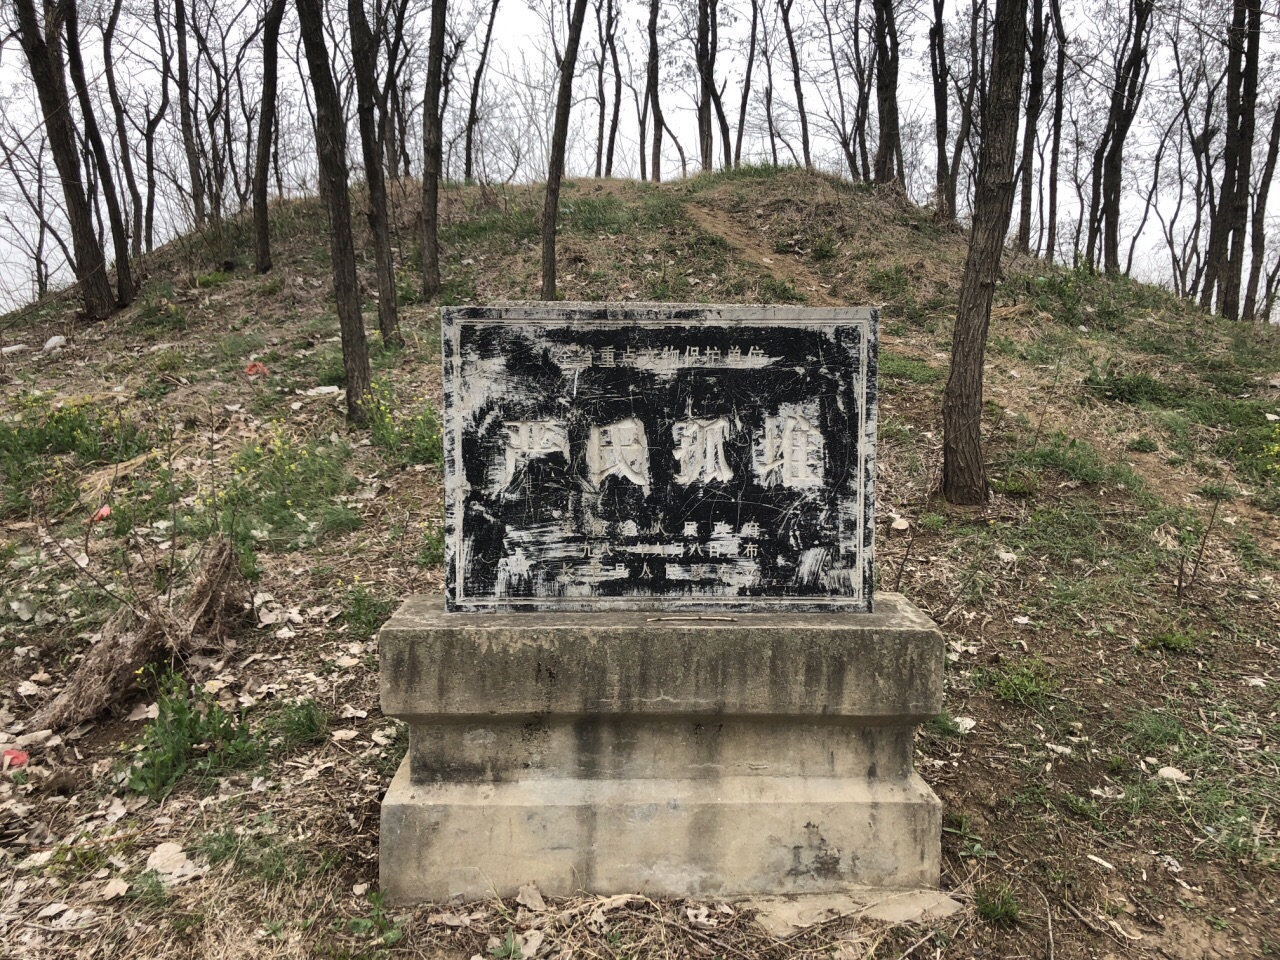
x=681 y=457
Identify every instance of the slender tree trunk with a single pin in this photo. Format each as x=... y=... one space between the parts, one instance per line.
x=1229 y=295
x=432 y=158
x=473 y=114
x=93 y=134
x=1055 y=150
x=889 y=149
x=331 y=150
x=655 y=164
x=601 y=99
x=266 y=126
x=1035 y=96
x=1258 y=235
x=784 y=6
x=941 y=77
x=964 y=474
x=612 y=19
x=122 y=138
x=746 y=83
x=560 y=133
x=364 y=56
x=42 y=45
x=185 y=114
x=706 y=83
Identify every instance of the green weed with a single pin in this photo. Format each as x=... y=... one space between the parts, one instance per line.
x=405 y=438
x=895 y=367
x=190 y=733
x=366 y=612
x=1027 y=684
x=997 y=905
x=42 y=448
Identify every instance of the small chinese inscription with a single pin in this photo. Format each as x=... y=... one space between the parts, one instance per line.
x=667 y=457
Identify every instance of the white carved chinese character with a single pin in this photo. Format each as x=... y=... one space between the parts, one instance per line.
x=752 y=550
x=599 y=528
x=629 y=529
x=755 y=353
x=629 y=357
x=690 y=528
x=644 y=573
x=694 y=550
x=606 y=357
x=750 y=529
x=735 y=352
x=619 y=450
x=527 y=439
x=792 y=452
x=700 y=450
x=692 y=356
x=670 y=355
x=720 y=529
x=713 y=356
x=715 y=550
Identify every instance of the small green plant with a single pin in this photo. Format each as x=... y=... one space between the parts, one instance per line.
x=508 y=948
x=432 y=552
x=823 y=248
x=149 y=890
x=213 y=278
x=1026 y=683
x=366 y=612
x=191 y=732
x=944 y=725
x=301 y=723
x=379 y=925
x=895 y=367
x=775 y=290
x=890 y=284
x=1172 y=641
x=1142 y=444
x=997 y=905
x=410 y=438
x=933 y=522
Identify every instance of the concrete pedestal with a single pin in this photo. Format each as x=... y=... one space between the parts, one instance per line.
x=655 y=753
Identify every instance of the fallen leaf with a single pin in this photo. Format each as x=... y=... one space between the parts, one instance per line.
x=530 y=897
x=257 y=369
x=360 y=889
x=117 y=887
x=901 y=523
x=1100 y=862
x=52 y=910
x=1172 y=773
x=1007 y=557
x=965 y=724
x=343 y=735
x=144 y=711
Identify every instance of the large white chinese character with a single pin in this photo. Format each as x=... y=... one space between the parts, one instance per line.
x=700 y=450
x=792 y=452
x=527 y=439
x=619 y=450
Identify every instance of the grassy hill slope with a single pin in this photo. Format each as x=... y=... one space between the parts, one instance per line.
x=1111 y=613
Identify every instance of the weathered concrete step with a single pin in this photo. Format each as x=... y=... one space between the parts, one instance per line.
x=725 y=837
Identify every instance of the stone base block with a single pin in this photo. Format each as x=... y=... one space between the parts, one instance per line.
x=745 y=754
x=725 y=837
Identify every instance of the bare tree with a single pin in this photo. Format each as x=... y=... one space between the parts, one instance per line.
x=1055 y=133
x=364 y=59
x=432 y=143
x=473 y=113
x=42 y=45
x=122 y=136
x=555 y=171
x=940 y=76
x=889 y=148
x=651 y=92
x=784 y=7
x=331 y=151
x=964 y=473
x=102 y=162
x=746 y=81
x=1035 y=98
x=266 y=130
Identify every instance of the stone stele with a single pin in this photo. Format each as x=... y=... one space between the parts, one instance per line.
x=659 y=666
